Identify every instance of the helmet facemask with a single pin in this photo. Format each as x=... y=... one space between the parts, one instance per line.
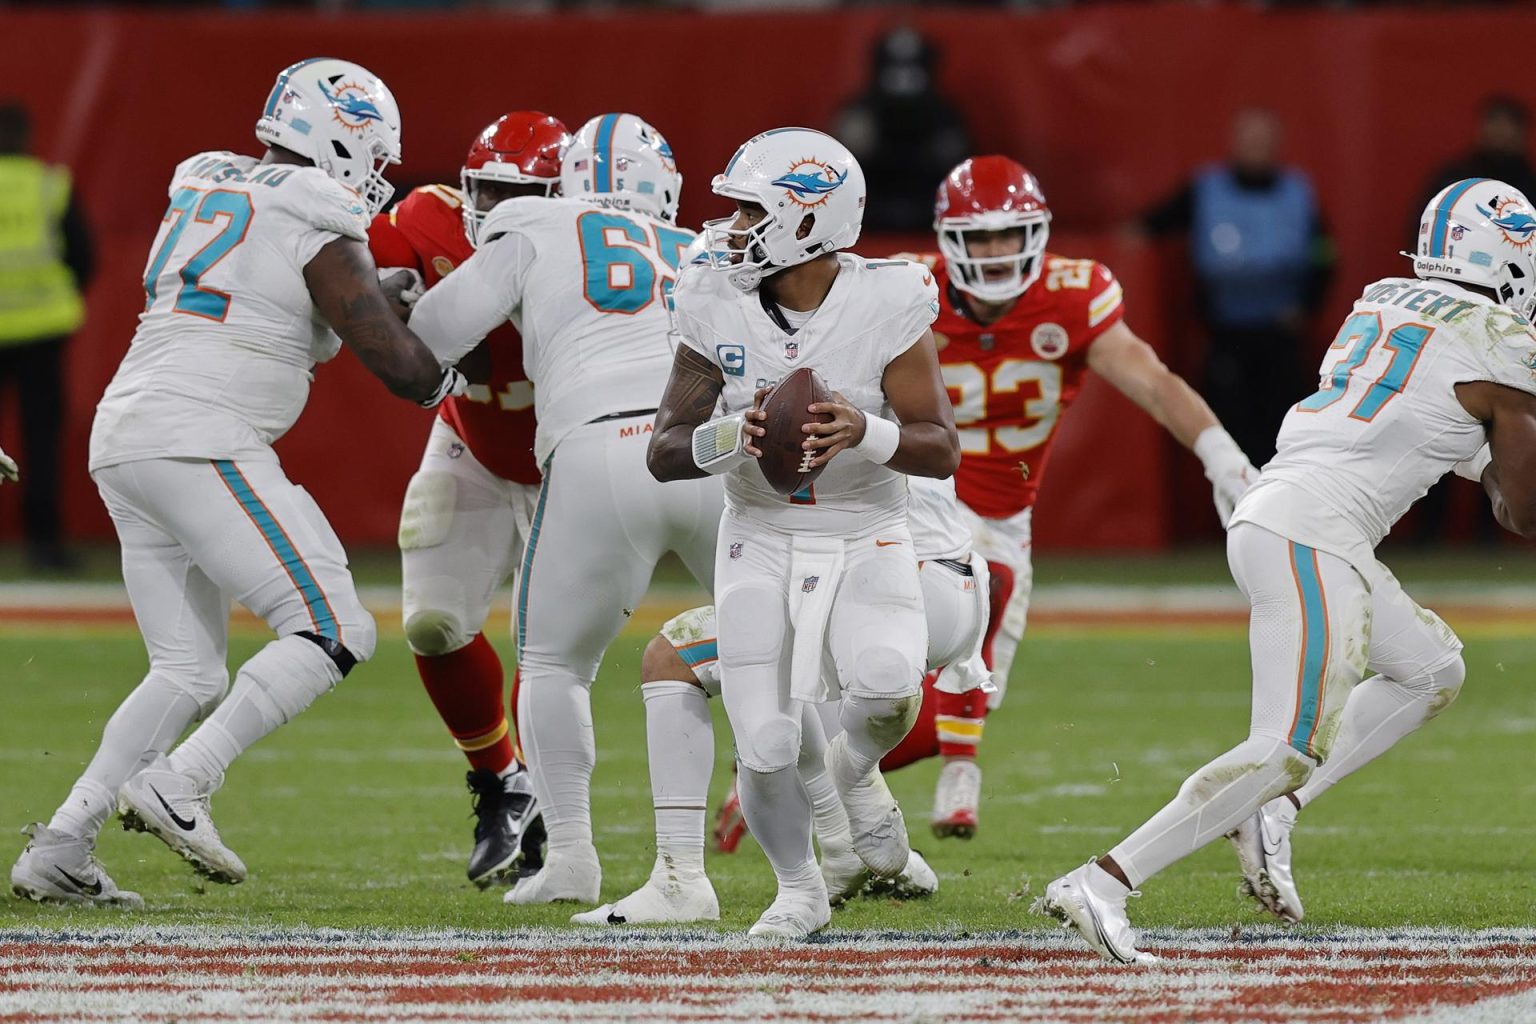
x=368 y=168
x=969 y=273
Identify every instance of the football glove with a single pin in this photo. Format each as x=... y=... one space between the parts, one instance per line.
x=452 y=385
x=1226 y=467
x=8 y=470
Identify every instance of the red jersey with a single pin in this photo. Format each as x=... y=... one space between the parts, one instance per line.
x=1011 y=381
x=425 y=231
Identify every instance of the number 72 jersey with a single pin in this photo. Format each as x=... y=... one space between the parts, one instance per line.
x=221 y=362
x=1010 y=381
x=1385 y=422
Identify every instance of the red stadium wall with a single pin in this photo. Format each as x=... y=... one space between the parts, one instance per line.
x=1111 y=105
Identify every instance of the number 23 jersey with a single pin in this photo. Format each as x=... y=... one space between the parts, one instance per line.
x=1385 y=422
x=1010 y=381
x=222 y=359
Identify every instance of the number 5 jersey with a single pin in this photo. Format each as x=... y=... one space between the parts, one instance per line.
x=221 y=363
x=1385 y=423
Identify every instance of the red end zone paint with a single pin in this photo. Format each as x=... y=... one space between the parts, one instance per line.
x=188 y=974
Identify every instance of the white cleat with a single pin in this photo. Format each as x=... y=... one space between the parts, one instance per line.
x=874 y=816
x=659 y=901
x=1100 y=921
x=169 y=806
x=955 y=799
x=916 y=880
x=843 y=873
x=793 y=914
x=571 y=874
x=1263 y=844
x=60 y=868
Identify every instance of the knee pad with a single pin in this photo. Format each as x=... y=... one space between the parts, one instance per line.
x=1284 y=768
x=883 y=669
x=752 y=619
x=207 y=689
x=885 y=720
x=771 y=745
x=432 y=633
x=1439 y=687
x=427 y=513
x=344 y=660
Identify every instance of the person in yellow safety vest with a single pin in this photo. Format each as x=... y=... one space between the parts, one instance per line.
x=45 y=263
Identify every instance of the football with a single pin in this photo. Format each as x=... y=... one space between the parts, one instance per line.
x=784 y=462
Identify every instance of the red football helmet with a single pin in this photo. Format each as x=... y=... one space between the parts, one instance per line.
x=523 y=148
x=991 y=193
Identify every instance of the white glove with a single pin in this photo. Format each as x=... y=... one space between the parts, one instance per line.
x=1226 y=467
x=1472 y=469
x=413 y=290
x=8 y=470
x=452 y=385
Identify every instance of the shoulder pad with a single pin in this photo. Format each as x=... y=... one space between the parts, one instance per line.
x=516 y=214
x=322 y=202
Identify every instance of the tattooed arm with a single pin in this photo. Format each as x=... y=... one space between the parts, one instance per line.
x=344 y=283
x=690 y=399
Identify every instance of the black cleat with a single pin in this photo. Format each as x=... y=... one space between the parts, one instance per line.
x=533 y=847
x=503 y=810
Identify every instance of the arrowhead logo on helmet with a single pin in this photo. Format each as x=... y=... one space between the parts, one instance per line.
x=809 y=182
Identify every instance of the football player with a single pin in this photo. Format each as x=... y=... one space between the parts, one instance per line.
x=828 y=572
x=1018 y=329
x=680 y=670
x=587 y=279
x=259 y=271
x=1428 y=375
x=468 y=507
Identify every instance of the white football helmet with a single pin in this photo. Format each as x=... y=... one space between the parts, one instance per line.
x=793 y=173
x=341 y=116
x=618 y=160
x=1480 y=231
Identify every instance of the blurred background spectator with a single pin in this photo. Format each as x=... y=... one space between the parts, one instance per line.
x=45 y=263
x=1262 y=261
x=906 y=135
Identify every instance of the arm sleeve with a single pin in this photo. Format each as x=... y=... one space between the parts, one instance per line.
x=475 y=299
x=1173 y=215
x=79 y=249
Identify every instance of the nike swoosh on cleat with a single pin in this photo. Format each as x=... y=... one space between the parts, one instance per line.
x=1269 y=851
x=181 y=823
x=1098 y=928
x=94 y=889
x=617 y=918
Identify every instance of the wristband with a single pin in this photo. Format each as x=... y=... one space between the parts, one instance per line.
x=1217 y=451
x=881 y=439
x=453 y=384
x=720 y=444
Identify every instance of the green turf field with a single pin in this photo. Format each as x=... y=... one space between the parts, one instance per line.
x=355 y=814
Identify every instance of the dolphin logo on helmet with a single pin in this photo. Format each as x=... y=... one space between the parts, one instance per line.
x=1512 y=217
x=814 y=185
x=351 y=101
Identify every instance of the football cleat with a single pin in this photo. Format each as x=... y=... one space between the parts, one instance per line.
x=503 y=809
x=57 y=867
x=730 y=823
x=1263 y=844
x=874 y=816
x=1101 y=922
x=843 y=873
x=794 y=914
x=534 y=838
x=170 y=807
x=955 y=799
x=916 y=881
x=568 y=875
x=663 y=899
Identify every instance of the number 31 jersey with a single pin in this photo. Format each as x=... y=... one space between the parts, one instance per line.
x=1385 y=423
x=1010 y=381
x=221 y=363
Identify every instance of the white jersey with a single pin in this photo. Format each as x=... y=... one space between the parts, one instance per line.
x=933 y=517
x=588 y=287
x=1386 y=423
x=876 y=310
x=221 y=363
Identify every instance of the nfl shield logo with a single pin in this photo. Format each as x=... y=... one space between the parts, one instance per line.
x=810 y=583
x=736 y=550
x=791 y=350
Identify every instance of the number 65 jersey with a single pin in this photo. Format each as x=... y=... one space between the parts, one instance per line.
x=1385 y=423
x=221 y=363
